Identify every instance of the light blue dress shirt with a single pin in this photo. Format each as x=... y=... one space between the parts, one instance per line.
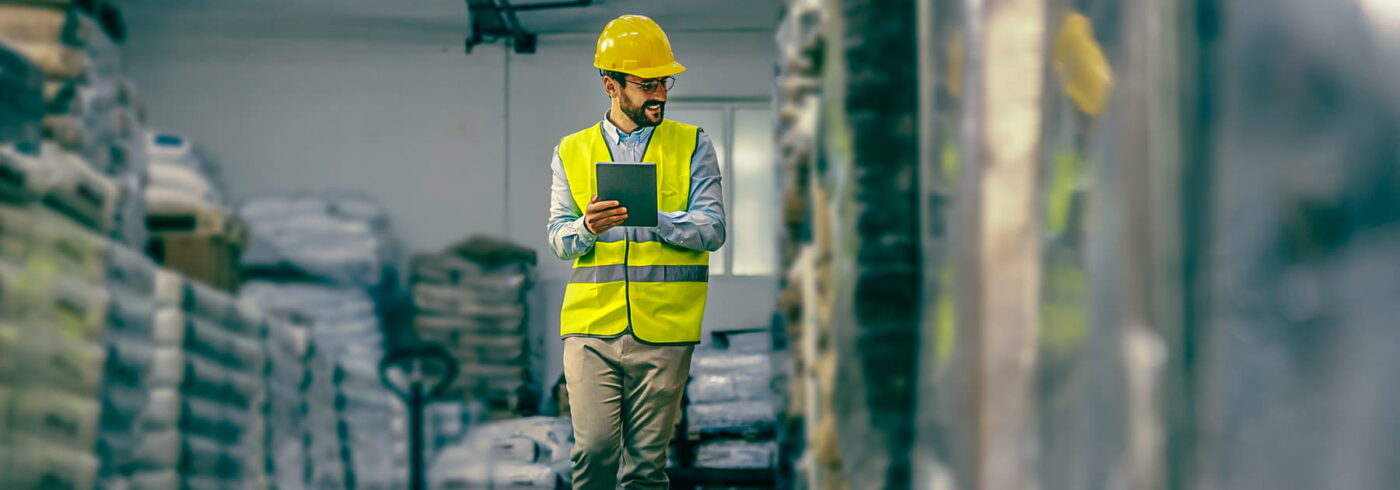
x=699 y=227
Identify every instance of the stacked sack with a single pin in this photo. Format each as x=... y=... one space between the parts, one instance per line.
x=471 y=299
x=329 y=257
x=139 y=292
x=373 y=426
x=93 y=122
x=203 y=426
x=285 y=378
x=115 y=374
x=325 y=450
x=358 y=428
x=75 y=307
x=334 y=237
x=52 y=318
x=181 y=176
x=526 y=453
x=732 y=409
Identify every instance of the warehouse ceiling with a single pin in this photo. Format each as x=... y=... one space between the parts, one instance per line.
x=675 y=15
x=436 y=15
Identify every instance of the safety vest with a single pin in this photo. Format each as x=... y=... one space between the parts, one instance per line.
x=655 y=289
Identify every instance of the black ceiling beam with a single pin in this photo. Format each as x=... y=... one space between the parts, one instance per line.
x=551 y=5
x=495 y=19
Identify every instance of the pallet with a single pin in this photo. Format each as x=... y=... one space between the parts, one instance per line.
x=756 y=433
x=168 y=219
x=689 y=478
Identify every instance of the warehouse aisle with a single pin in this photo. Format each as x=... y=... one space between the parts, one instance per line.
x=969 y=245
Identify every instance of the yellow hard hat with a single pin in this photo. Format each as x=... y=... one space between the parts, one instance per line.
x=635 y=45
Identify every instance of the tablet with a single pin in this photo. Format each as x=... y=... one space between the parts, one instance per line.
x=634 y=186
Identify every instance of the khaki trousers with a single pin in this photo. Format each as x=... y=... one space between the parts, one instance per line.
x=625 y=399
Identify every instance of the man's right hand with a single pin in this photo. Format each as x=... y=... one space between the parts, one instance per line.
x=603 y=216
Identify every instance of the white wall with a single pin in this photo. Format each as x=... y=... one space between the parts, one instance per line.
x=451 y=144
x=414 y=123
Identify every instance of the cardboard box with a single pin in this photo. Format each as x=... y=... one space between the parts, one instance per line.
x=211 y=259
x=202 y=243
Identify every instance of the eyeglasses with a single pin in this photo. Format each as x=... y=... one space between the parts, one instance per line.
x=650 y=86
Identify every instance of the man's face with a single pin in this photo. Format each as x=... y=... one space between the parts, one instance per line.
x=643 y=107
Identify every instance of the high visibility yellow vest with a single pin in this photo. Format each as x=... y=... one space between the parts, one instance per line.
x=655 y=289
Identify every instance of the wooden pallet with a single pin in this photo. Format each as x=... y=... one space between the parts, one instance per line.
x=192 y=220
x=689 y=478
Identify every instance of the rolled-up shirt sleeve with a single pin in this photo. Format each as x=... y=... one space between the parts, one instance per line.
x=568 y=236
x=701 y=225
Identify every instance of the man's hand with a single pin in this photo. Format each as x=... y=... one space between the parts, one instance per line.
x=603 y=216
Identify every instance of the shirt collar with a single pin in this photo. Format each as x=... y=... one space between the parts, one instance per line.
x=617 y=137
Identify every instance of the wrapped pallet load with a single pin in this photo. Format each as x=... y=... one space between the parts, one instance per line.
x=471 y=299
x=115 y=374
x=732 y=413
x=353 y=423
x=203 y=420
x=329 y=257
x=92 y=112
x=526 y=453
x=336 y=237
x=287 y=345
x=52 y=319
x=325 y=450
x=134 y=329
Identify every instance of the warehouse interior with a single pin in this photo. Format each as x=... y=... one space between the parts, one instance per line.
x=971 y=244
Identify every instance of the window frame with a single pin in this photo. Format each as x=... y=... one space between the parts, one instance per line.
x=727 y=107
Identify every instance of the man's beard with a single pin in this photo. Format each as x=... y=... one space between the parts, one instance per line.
x=638 y=113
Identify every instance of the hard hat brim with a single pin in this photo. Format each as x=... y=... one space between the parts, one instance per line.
x=670 y=69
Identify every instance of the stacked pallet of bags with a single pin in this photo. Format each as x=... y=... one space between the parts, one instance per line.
x=732 y=412
x=325 y=449
x=39 y=170
x=285 y=380
x=53 y=312
x=471 y=299
x=358 y=427
x=116 y=374
x=203 y=426
x=142 y=314
x=334 y=237
x=328 y=256
x=522 y=454
x=853 y=278
x=372 y=426
x=807 y=429
x=92 y=129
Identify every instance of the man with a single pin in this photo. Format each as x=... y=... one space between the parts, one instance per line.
x=633 y=306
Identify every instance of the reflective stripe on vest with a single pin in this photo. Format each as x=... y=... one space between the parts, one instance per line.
x=653 y=287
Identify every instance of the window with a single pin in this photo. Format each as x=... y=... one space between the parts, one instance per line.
x=742 y=133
